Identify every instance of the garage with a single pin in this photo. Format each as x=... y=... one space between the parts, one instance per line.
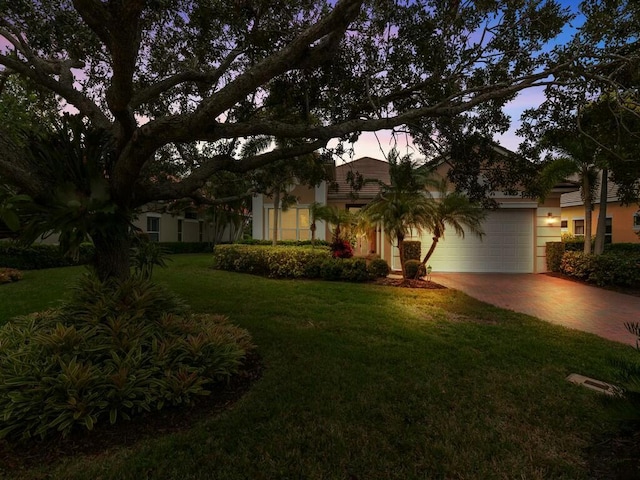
x=507 y=246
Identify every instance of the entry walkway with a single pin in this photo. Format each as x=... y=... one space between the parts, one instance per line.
x=553 y=299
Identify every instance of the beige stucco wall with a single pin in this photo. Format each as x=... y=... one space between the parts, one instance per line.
x=621 y=220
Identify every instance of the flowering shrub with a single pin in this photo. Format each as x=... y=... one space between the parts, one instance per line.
x=8 y=275
x=341 y=249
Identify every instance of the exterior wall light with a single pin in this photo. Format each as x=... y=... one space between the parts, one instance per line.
x=550 y=218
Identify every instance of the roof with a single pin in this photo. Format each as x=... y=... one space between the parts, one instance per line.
x=369 y=168
x=574 y=199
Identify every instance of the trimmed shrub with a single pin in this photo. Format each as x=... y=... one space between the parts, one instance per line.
x=8 y=275
x=577 y=264
x=290 y=262
x=278 y=262
x=412 y=250
x=620 y=269
x=555 y=251
x=631 y=248
x=283 y=243
x=39 y=256
x=172 y=248
x=414 y=269
x=114 y=350
x=341 y=249
x=379 y=268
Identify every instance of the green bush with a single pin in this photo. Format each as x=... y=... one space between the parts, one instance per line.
x=621 y=269
x=172 y=248
x=283 y=243
x=414 y=269
x=39 y=256
x=290 y=262
x=577 y=264
x=555 y=251
x=606 y=269
x=8 y=275
x=379 y=268
x=114 y=350
x=412 y=250
x=632 y=248
x=274 y=262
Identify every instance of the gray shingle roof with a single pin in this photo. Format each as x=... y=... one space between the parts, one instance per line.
x=369 y=168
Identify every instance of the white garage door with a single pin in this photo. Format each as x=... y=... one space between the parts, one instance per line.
x=507 y=246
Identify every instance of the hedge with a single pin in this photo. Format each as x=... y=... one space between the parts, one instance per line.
x=291 y=262
x=620 y=269
x=555 y=251
x=39 y=256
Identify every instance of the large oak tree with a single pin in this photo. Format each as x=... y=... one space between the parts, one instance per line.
x=170 y=79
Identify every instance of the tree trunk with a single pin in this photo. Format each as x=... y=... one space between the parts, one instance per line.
x=276 y=209
x=426 y=258
x=312 y=227
x=112 y=253
x=588 y=201
x=602 y=214
x=401 y=253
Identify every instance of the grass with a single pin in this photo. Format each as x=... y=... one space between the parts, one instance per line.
x=368 y=382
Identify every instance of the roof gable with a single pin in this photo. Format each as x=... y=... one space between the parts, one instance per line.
x=369 y=168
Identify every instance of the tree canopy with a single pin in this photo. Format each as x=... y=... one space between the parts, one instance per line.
x=179 y=85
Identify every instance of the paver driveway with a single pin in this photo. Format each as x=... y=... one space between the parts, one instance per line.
x=553 y=299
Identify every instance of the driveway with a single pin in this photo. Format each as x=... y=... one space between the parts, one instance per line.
x=555 y=300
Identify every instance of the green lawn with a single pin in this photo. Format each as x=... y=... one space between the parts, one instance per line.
x=368 y=382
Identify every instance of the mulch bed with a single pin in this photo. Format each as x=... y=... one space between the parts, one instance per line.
x=15 y=457
x=408 y=283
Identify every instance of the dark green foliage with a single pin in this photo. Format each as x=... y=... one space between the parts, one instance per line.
x=629 y=378
x=146 y=255
x=36 y=257
x=278 y=262
x=114 y=350
x=341 y=249
x=414 y=269
x=290 y=262
x=555 y=251
x=577 y=264
x=283 y=243
x=620 y=269
x=633 y=248
x=379 y=268
x=172 y=248
x=412 y=250
x=8 y=275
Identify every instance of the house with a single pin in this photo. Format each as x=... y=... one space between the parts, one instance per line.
x=515 y=234
x=623 y=221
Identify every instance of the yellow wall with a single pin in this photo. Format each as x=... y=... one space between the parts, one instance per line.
x=621 y=221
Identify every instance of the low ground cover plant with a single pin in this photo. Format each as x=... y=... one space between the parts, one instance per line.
x=8 y=275
x=112 y=351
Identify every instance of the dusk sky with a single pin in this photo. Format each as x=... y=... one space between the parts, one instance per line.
x=377 y=145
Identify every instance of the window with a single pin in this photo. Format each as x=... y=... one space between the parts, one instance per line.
x=153 y=228
x=191 y=215
x=180 y=222
x=578 y=227
x=608 y=231
x=292 y=225
x=636 y=221
x=564 y=224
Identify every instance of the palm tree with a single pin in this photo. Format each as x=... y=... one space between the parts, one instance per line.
x=404 y=204
x=455 y=210
x=577 y=156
